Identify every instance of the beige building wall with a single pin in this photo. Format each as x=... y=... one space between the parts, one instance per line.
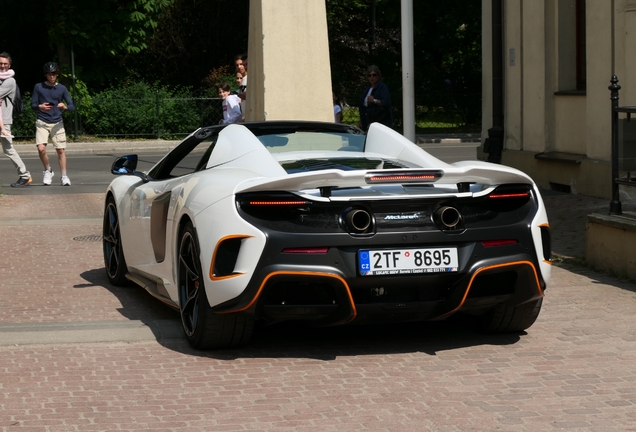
x=513 y=76
x=533 y=88
x=626 y=49
x=560 y=136
x=599 y=72
x=289 y=70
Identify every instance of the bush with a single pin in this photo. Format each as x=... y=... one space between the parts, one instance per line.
x=24 y=124
x=142 y=109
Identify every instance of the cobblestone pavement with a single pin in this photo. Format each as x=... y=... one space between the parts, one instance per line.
x=575 y=369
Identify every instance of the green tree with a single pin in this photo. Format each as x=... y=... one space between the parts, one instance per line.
x=103 y=34
x=111 y=28
x=447 y=48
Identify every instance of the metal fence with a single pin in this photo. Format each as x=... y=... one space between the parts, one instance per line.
x=623 y=147
x=156 y=118
x=174 y=118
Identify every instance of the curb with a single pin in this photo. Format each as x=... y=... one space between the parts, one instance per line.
x=448 y=138
x=103 y=148
x=121 y=148
x=89 y=332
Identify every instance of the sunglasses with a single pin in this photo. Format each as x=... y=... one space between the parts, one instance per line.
x=372 y=74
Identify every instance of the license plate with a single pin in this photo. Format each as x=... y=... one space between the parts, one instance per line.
x=407 y=261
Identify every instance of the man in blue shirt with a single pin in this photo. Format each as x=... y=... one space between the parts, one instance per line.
x=47 y=101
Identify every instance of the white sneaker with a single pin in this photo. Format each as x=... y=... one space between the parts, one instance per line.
x=65 y=181
x=48 y=177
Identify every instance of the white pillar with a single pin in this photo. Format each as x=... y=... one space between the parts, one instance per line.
x=289 y=76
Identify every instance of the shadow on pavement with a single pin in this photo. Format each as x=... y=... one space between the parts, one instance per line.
x=290 y=340
x=136 y=303
x=293 y=341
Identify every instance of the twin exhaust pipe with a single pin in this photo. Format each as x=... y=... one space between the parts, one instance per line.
x=360 y=220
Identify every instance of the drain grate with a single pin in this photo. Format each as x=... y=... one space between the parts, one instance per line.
x=89 y=238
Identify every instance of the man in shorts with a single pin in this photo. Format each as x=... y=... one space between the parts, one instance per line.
x=47 y=101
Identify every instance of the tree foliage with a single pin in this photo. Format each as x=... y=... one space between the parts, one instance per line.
x=447 y=48
x=182 y=43
x=105 y=27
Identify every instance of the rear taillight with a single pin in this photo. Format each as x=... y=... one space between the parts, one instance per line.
x=496 y=195
x=510 y=191
x=493 y=243
x=403 y=177
x=277 y=203
x=306 y=250
x=272 y=200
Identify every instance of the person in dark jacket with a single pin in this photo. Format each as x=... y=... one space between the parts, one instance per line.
x=375 y=101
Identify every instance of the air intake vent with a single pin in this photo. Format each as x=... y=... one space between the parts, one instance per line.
x=225 y=257
x=546 y=241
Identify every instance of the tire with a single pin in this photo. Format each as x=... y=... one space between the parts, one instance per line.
x=508 y=319
x=203 y=328
x=114 y=260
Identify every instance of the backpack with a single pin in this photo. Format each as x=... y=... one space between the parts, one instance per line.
x=18 y=105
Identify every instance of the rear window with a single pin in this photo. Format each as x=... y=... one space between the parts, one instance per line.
x=312 y=141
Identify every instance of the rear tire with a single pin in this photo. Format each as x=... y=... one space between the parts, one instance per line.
x=114 y=260
x=203 y=328
x=508 y=319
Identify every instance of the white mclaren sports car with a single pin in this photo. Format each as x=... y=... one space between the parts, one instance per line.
x=319 y=223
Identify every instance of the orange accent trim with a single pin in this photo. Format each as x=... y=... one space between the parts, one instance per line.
x=547 y=262
x=317 y=274
x=218 y=278
x=470 y=284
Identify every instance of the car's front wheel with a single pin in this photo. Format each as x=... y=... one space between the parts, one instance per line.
x=508 y=319
x=203 y=328
x=114 y=260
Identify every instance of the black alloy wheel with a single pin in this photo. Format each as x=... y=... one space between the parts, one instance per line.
x=189 y=282
x=510 y=319
x=203 y=328
x=114 y=260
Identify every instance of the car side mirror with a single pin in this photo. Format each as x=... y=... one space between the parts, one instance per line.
x=126 y=165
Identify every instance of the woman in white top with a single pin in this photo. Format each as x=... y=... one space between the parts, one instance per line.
x=337 y=108
x=231 y=105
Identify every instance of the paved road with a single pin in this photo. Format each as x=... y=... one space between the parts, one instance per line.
x=90 y=172
x=77 y=354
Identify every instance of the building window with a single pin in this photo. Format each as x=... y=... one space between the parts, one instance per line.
x=571 y=48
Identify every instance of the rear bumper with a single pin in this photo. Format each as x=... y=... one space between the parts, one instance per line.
x=333 y=295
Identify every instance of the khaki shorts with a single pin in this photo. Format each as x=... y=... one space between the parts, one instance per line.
x=54 y=130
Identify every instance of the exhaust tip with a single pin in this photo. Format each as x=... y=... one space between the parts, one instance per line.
x=358 y=221
x=447 y=217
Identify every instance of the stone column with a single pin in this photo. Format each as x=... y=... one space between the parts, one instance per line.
x=289 y=72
